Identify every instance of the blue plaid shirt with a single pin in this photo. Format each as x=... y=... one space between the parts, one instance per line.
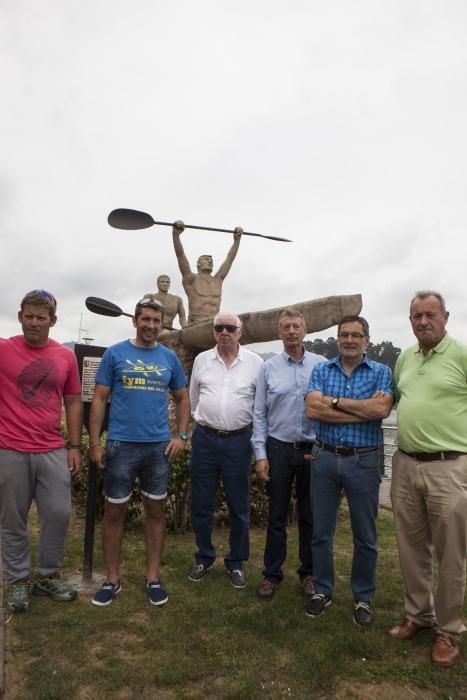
x=331 y=380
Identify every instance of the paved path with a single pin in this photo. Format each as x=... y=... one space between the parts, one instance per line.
x=384 y=489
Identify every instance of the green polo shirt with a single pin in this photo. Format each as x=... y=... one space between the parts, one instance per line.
x=431 y=392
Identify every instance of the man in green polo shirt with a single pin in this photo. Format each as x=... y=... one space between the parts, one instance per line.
x=429 y=478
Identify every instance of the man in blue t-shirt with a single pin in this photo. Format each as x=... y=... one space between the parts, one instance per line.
x=348 y=398
x=137 y=374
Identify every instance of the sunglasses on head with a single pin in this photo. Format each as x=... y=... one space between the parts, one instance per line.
x=43 y=293
x=152 y=303
x=219 y=327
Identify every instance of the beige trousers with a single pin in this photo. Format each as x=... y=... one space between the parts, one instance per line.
x=429 y=501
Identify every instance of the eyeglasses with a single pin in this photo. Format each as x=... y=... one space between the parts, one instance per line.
x=345 y=336
x=42 y=293
x=219 y=327
x=152 y=303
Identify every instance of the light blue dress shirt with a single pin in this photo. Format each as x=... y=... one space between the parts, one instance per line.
x=280 y=401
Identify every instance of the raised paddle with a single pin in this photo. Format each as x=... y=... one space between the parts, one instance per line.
x=104 y=307
x=133 y=220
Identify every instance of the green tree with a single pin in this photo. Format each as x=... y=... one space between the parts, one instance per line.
x=384 y=352
x=328 y=348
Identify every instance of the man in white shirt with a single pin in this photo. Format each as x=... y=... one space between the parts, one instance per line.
x=222 y=392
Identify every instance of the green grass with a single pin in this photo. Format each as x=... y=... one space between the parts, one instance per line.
x=211 y=640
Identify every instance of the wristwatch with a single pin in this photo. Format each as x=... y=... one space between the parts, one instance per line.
x=335 y=403
x=182 y=436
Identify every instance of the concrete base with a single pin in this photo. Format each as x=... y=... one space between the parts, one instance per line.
x=86 y=586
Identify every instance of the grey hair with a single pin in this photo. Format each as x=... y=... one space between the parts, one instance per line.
x=424 y=293
x=226 y=313
x=291 y=313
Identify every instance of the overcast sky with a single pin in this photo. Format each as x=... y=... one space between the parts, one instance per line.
x=338 y=124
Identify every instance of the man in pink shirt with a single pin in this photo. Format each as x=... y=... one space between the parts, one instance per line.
x=36 y=374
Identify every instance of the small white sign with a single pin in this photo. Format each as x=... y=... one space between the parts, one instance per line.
x=90 y=367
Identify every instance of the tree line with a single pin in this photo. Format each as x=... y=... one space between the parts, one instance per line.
x=384 y=352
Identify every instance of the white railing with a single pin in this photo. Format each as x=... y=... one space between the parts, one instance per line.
x=389 y=447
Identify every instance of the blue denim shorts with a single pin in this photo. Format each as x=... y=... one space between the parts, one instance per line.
x=127 y=460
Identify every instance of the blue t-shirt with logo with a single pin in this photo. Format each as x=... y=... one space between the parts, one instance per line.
x=139 y=379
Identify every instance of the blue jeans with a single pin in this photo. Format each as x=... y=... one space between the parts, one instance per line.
x=285 y=465
x=358 y=475
x=228 y=459
x=127 y=460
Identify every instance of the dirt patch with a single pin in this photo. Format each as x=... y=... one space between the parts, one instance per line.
x=13 y=678
x=382 y=691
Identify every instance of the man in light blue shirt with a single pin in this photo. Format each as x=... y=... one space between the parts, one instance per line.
x=282 y=437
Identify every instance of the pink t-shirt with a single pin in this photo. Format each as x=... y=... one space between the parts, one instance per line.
x=32 y=384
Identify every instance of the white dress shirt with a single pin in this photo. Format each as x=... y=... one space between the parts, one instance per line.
x=222 y=397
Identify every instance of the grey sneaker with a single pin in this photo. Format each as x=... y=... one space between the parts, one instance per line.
x=266 y=590
x=198 y=572
x=18 y=596
x=317 y=604
x=237 y=578
x=362 y=614
x=54 y=587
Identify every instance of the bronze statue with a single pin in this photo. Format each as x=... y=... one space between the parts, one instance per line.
x=202 y=288
x=173 y=304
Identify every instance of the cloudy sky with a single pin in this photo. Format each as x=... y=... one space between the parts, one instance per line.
x=338 y=124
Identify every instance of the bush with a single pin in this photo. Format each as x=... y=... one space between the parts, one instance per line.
x=177 y=505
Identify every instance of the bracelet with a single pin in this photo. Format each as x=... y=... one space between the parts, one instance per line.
x=74 y=447
x=97 y=444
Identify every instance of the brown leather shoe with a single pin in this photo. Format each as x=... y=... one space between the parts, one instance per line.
x=445 y=651
x=408 y=629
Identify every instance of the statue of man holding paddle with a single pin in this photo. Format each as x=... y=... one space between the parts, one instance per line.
x=203 y=289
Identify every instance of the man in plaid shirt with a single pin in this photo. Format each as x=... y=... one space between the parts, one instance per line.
x=348 y=398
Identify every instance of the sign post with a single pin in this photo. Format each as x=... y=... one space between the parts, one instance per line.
x=89 y=357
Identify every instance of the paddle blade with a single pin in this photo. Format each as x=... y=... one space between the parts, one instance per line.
x=103 y=307
x=130 y=219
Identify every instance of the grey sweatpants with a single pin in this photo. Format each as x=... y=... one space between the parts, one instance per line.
x=44 y=478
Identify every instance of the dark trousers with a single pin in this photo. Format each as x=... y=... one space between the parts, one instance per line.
x=285 y=465
x=228 y=459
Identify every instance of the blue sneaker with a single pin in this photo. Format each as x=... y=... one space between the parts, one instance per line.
x=156 y=594
x=106 y=593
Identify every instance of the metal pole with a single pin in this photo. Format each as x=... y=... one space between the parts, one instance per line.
x=90 y=522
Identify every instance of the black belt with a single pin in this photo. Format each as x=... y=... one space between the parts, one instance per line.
x=342 y=451
x=433 y=456
x=226 y=433
x=293 y=445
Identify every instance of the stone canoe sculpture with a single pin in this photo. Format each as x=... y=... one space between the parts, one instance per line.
x=261 y=326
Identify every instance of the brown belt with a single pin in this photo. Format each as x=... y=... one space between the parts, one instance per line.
x=433 y=456
x=342 y=451
x=226 y=433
